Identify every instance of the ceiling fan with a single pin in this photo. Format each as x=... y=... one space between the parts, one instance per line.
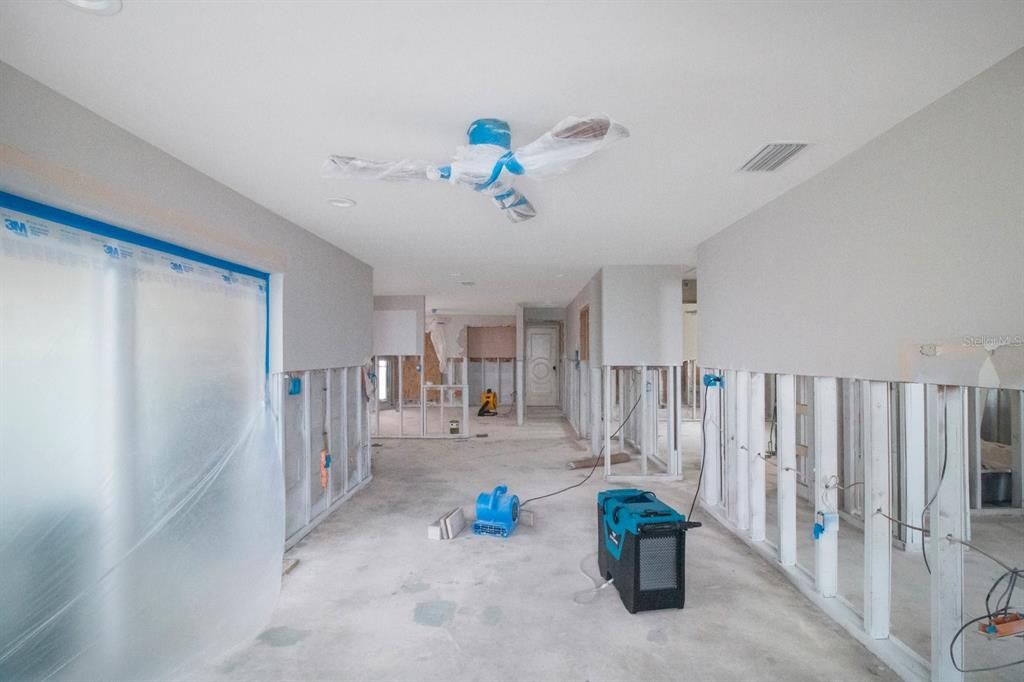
x=488 y=164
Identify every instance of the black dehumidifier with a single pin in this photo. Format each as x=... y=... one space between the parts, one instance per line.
x=641 y=545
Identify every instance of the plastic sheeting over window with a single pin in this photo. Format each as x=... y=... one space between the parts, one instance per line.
x=141 y=496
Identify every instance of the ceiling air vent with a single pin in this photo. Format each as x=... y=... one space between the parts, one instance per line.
x=772 y=156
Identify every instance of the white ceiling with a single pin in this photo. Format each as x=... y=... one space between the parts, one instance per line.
x=256 y=95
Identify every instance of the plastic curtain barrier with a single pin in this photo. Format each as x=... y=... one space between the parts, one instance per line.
x=489 y=164
x=141 y=495
x=437 y=339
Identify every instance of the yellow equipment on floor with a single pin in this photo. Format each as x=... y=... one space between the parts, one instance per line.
x=488 y=404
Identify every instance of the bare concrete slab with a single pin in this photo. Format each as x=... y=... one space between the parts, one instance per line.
x=374 y=599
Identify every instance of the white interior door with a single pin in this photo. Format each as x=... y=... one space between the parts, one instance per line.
x=542 y=366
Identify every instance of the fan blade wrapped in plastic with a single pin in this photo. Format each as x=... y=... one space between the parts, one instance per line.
x=391 y=171
x=569 y=141
x=514 y=205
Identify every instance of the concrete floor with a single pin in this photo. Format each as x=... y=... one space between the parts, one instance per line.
x=373 y=599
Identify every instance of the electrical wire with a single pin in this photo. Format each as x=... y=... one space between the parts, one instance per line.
x=597 y=460
x=879 y=512
x=587 y=596
x=960 y=632
x=1005 y=598
x=703 y=451
x=931 y=500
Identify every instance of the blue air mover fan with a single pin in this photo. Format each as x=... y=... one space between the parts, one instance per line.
x=497 y=513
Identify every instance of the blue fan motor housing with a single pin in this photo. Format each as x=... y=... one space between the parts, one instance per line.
x=490 y=131
x=497 y=513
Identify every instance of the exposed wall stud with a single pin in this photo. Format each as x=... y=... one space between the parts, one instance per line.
x=755 y=444
x=877 y=528
x=742 y=483
x=786 y=467
x=826 y=491
x=972 y=433
x=944 y=442
x=607 y=421
x=914 y=459
x=1017 y=447
x=711 y=446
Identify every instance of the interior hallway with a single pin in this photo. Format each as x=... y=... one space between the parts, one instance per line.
x=373 y=599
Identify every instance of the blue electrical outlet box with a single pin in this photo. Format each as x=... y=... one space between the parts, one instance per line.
x=711 y=380
x=294 y=385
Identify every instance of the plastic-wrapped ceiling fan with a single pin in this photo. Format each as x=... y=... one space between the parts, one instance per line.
x=488 y=164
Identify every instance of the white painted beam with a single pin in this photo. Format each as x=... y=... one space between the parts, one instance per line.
x=877 y=529
x=945 y=438
x=755 y=444
x=742 y=422
x=785 y=398
x=826 y=492
x=914 y=460
x=1017 y=447
x=711 y=446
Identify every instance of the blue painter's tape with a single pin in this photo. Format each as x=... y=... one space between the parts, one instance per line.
x=16 y=203
x=80 y=222
x=501 y=164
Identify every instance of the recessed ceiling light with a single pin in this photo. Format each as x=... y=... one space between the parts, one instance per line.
x=455 y=274
x=342 y=202
x=560 y=275
x=104 y=7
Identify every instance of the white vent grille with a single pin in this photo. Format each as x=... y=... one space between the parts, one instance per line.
x=772 y=156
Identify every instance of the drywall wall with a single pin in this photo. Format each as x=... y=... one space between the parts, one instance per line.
x=491 y=342
x=691 y=331
x=398 y=325
x=590 y=296
x=642 y=315
x=901 y=262
x=455 y=328
x=57 y=152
